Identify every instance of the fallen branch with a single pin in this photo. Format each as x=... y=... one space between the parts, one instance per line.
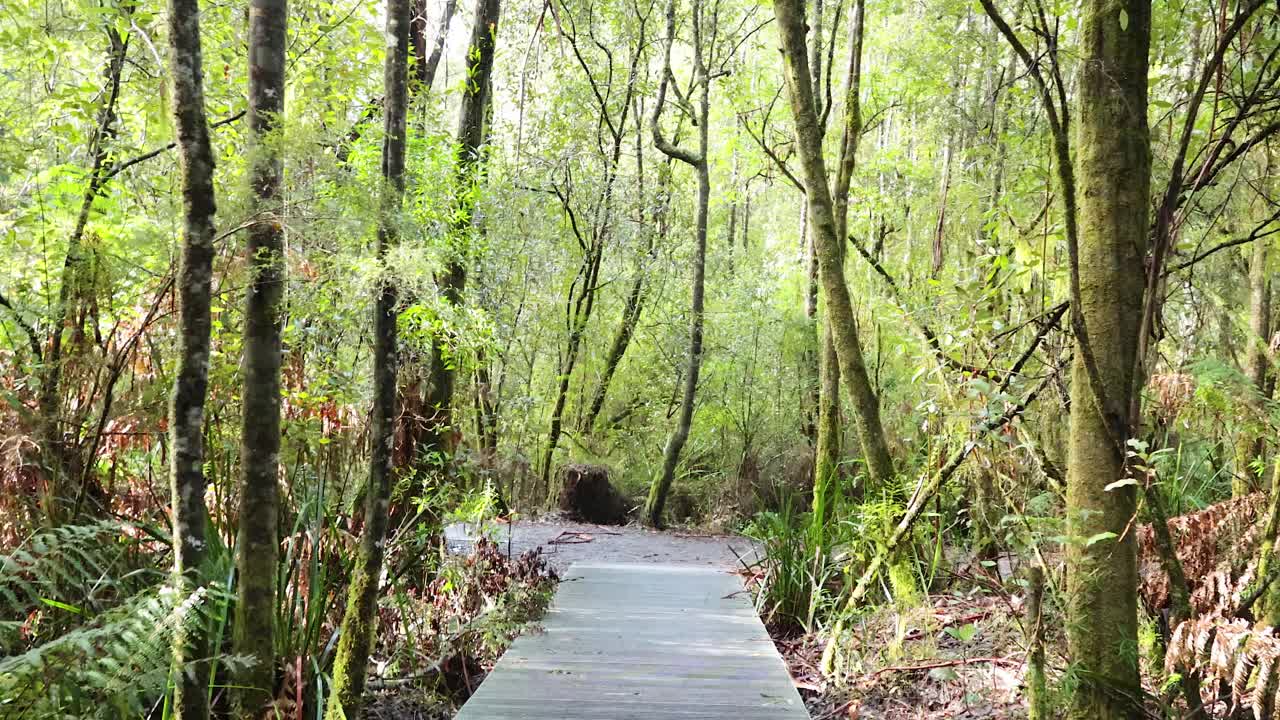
x=568 y=537
x=747 y=569
x=1007 y=662
x=1051 y=320
x=929 y=485
x=836 y=711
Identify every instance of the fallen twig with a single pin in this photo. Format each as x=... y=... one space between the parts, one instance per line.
x=568 y=537
x=836 y=711
x=749 y=570
x=1008 y=662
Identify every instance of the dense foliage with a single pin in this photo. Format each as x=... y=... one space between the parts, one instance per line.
x=600 y=249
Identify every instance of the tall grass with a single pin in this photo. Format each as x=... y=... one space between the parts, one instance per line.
x=796 y=565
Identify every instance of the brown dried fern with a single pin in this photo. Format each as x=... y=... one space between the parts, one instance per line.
x=1231 y=652
x=1216 y=547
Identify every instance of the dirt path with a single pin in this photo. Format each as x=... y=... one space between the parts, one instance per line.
x=565 y=543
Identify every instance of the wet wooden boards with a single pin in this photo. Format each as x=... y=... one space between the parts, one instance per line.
x=651 y=642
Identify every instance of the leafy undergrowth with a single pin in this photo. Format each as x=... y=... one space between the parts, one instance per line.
x=958 y=655
x=454 y=630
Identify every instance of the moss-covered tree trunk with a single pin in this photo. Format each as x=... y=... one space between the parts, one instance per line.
x=661 y=484
x=186 y=415
x=257 y=543
x=451 y=283
x=1113 y=173
x=360 y=618
x=843 y=324
x=1268 y=611
x=830 y=429
x=1249 y=444
x=813 y=353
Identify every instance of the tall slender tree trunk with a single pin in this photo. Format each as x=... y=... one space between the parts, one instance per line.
x=940 y=227
x=1113 y=187
x=186 y=415
x=257 y=543
x=731 y=232
x=578 y=319
x=486 y=405
x=684 y=423
x=440 y=434
x=830 y=428
x=428 y=62
x=655 y=233
x=812 y=354
x=360 y=618
x=848 y=349
x=1268 y=610
x=1249 y=445
x=661 y=485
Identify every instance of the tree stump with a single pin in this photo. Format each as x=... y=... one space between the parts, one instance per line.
x=587 y=495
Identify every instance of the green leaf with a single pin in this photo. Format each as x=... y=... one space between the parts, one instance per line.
x=964 y=633
x=1124 y=19
x=61 y=606
x=1099 y=538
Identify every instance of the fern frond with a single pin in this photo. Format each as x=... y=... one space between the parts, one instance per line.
x=119 y=661
x=90 y=566
x=1229 y=651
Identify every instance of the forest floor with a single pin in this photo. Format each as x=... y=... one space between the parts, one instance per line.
x=957 y=653
x=950 y=656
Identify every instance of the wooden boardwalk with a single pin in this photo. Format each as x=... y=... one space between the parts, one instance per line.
x=634 y=641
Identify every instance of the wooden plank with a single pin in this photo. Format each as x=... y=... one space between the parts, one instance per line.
x=631 y=641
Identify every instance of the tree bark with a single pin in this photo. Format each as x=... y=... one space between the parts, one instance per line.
x=1114 y=181
x=827 y=460
x=814 y=352
x=257 y=543
x=195 y=274
x=1038 y=707
x=661 y=485
x=1268 y=611
x=866 y=406
x=655 y=233
x=360 y=618
x=1249 y=444
x=811 y=354
x=429 y=63
x=440 y=436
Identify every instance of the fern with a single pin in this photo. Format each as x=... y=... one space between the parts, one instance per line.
x=1233 y=653
x=1217 y=547
x=79 y=568
x=112 y=667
